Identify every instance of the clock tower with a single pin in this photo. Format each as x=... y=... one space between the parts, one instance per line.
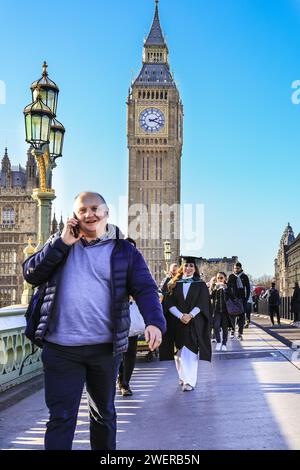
x=155 y=138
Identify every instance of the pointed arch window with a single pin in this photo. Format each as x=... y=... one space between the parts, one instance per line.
x=8 y=216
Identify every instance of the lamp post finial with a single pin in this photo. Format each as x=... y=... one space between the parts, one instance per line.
x=45 y=66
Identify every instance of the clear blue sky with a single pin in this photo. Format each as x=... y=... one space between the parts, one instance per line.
x=234 y=62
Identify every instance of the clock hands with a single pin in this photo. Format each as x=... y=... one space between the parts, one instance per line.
x=154 y=120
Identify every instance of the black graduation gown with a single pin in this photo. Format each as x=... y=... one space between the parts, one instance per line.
x=196 y=334
x=166 y=349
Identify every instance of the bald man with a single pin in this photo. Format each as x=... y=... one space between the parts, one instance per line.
x=89 y=271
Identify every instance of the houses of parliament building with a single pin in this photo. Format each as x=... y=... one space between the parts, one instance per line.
x=287 y=263
x=18 y=212
x=18 y=223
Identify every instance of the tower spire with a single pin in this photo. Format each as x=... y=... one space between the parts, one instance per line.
x=155 y=37
x=6 y=166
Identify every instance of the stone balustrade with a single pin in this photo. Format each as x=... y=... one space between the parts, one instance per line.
x=14 y=347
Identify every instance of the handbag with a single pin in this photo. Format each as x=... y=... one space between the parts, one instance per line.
x=137 y=324
x=235 y=307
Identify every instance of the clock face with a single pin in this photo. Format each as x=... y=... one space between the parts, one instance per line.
x=152 y=119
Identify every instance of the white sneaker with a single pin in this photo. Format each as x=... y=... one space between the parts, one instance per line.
x=214 y=340
x=218 y=347
x=187 y=388
x=223 y=348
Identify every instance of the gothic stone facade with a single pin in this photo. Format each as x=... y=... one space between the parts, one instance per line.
x=18 y=212
x=209 y=267
x=155 y=138
x=287 y=263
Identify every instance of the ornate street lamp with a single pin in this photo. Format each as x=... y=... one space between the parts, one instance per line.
x=38 y=117
x=46 y=135
x=48 y=90
x=167 y=254
x=57 y=132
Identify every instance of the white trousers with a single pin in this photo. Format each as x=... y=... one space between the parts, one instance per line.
x=187 y=366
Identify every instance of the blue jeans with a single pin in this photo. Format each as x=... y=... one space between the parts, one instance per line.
x=67 y=369
x=221 y=321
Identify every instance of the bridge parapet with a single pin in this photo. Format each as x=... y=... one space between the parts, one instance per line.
x=285 y=308
x=14 y=347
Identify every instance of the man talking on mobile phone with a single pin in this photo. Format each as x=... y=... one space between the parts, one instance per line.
x=85 y=321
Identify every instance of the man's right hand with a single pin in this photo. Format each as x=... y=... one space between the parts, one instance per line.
x=67 y=233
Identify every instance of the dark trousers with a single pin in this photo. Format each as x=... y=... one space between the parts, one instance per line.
x=296 y=316
x=128 y=362
x=221 y=321
x=274 y=309
x=248 y=311
x=67 y=369
x=240 y=320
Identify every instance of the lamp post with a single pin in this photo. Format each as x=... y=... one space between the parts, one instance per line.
x=45 y=134
x=167 y=255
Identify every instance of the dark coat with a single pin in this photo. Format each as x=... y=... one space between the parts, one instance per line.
x=196 y=334
x=219 y=298
x=129 y=276
x=295 y=302
x=163 y=287
x=243 y=293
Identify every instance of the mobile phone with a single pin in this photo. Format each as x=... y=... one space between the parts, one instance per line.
x=76 y=229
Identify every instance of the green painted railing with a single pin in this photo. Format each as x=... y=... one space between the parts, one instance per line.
x=14 y=347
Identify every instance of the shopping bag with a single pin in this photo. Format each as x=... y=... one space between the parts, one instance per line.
x=137 y=324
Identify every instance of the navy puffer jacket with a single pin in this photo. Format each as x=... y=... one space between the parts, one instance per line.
x=129 y=276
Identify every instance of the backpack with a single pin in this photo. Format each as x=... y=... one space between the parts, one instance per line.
x=273 y=297
x=32 y=316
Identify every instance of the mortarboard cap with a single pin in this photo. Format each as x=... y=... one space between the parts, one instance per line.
x=187 y=259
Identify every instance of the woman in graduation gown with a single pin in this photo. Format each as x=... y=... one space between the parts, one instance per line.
x=189 y=303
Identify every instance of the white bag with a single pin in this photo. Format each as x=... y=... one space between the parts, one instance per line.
x=137 y=324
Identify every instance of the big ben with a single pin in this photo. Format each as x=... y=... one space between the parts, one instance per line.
x=155 y=138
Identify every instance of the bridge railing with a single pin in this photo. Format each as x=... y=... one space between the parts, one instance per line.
x=285 y=308
x=14 y=347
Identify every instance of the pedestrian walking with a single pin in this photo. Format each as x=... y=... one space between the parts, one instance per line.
x=255 y=302
x=166 y=349
x=221 y=320
x=88 y=272
x=249 y=306
x=211 y=285
x=274 y=301
x=188 y=302
x=163 y=288
x=295 y=304
x=128 y=357
x=239 y=287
